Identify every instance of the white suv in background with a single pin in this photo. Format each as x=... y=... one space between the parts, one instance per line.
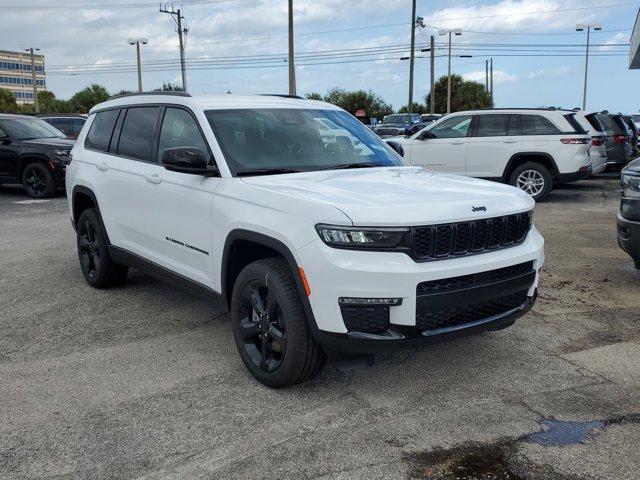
x=318 y=244
x=528 y=148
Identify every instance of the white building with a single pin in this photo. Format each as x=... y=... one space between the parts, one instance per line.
x=634 y=53
x=15 y=74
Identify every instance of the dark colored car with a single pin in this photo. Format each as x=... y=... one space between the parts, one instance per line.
x=70 y=125
x=635 y=130
x=399 y=124
x=33 y=153
x=629 y=214
x=619 y=148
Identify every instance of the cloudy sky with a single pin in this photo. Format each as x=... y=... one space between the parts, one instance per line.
x=241 y=46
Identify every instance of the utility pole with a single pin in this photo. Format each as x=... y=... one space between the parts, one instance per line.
x=34 y=83
x=433 y=76
x=491 y=80
x=457 y=32
x=580 y=28
x=137 y=42
x=292 y=66
x=178 y=17
x=486 y=75
x=412 y=53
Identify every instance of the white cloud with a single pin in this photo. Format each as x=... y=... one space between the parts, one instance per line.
x=548 y=72
x=609 y=44
x=499 y=76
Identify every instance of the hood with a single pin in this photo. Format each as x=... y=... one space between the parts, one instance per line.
x=400 y=195
x=633 y=166
x=64 y=143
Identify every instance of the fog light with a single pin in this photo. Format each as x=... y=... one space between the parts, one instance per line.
x=369 y=301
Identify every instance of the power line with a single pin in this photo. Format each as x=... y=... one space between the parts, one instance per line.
x=111 y=6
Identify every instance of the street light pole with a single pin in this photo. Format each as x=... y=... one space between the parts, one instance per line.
x=457 y=32
x=137 y=42
x=580 y=28
x=34 y=82
x=292 y=67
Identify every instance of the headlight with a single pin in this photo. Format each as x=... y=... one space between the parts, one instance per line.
x=62 y=153
x=630 y=185
x=361 y=237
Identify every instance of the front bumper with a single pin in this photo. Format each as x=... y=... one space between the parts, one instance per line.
x=334 y=273
x=629 y=238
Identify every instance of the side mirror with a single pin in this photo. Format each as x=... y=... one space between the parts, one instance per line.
x=397 y=147
x=190 y=160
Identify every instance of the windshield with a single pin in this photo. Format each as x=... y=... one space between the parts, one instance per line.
x=397 y=119
x=29 y=128
x=296 y=140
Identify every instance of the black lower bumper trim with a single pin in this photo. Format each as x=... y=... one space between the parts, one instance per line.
x=400 y=338
x=629 y=238
x=574 y=176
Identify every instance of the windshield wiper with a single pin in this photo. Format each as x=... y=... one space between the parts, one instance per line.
x=344 y=166
x=265 y=171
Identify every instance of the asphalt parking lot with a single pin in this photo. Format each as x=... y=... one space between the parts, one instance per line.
x=143 y=381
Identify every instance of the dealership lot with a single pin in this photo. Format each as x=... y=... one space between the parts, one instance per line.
x=145 y=381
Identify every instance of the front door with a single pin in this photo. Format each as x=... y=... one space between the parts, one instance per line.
x=443 y=147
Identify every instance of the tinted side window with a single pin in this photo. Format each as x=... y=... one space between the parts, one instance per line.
x=179 y=129
x=537 y=125
x=101 y=129
x=454 y=127
x=62 y=124
x=492 y=125
x=77 y=125
x=136 y=136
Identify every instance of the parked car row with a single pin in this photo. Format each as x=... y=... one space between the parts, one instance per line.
x=532 y=149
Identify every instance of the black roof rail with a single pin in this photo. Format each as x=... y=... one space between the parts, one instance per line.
x=283 y=95
x=168 y=93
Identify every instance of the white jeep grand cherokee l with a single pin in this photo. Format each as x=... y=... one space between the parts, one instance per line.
x=317 y=245
x=531 y=149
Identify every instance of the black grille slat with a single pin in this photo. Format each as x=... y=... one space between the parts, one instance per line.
x=367 y=319
x=473 y=280
x=461 y=315
x=436 y=242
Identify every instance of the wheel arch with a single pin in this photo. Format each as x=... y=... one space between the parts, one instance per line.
x=82 y=198
x=522 y=157
x=29 y=158
x=245 y=246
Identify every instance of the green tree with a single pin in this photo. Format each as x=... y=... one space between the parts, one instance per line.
x=415 y=108
x=85 y=99
x=372 y=104
x=168 y=87
x=313 y=96
x=50 y=104
x=465 y=95
x=7 y=101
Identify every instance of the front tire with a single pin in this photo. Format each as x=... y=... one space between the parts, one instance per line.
x=99 y=270
x=38 y=181
x=270 y=327
x=532 y=178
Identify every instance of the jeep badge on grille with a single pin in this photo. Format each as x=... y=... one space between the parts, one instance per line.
x=478 y=209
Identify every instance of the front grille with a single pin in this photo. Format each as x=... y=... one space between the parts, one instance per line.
x=461 y=315
x=473 y=280
x=435 y=242
x=368 y=319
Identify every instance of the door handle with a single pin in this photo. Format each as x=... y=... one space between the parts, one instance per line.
x=457 y=143
x=510 y=141
x=153 y=178
x=103 y=167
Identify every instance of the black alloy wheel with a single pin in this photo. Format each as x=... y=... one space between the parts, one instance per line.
x=89 y=249
x=38 y=181
x=263 y=333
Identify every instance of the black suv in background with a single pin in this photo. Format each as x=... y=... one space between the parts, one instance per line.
x=629 y=214
x=69 y=124
x=399 y=124
x=32 y=153
x=619 y=148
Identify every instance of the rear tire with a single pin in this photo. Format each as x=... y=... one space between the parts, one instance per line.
x=270 y=327
x=532 y=178
x=38 y=181
x=99 y=270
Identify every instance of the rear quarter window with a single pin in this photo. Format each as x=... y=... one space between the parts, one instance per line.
x=101 y=130
x=537 y=125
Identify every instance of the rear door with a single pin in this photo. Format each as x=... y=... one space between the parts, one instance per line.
x=442 y=147
x=496 y=137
